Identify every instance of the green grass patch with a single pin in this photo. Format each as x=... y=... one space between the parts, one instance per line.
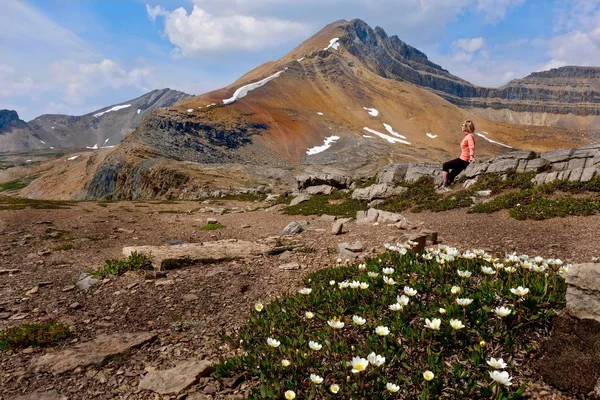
x=540 y=209
x=212 y=227
x=63 y=247
x=17 y=203
x=34 y=335
x=134 y=262
x=458 y=358
x=361 y=183
x=338 y=203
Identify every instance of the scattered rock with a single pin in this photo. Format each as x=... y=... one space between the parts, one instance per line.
x=356 y=247
x=337 y=228
x=286 y=255
x=85 y=282
x=583 y=291
x=300 y=199
x=293 y=228
x=152 y=275
x=123 y=230
x=174 y=242
x=75 y=306
x=328 y=218
x=210 y=390
x=88 y=353
x=431 y=236
x=211 y=221
x=245 y=226
x=5 y=315
x=217 y=251
x=44 y=252
x=190 y=297
x=9 y=271
x=164 y=282
x=290 y=266
x=18 y=317
x=321 y=189
x=234 y=381
x=50 y=395
x=33 y=290
x=177 y=379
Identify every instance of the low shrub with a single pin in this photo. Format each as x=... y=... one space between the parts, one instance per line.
x=212 y=227
x=134 y=262
x=34 y=335
x=440 y=324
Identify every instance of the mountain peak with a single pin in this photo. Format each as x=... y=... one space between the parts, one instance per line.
x=9 y=119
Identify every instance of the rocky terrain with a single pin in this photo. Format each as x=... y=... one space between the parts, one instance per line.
x=101 y=128
x=153 y=335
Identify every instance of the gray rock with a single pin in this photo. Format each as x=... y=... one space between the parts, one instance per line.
x=272 y=198
x=430 y=236
x=174 y=242
x=293 y=228
x=328 y=218
x=338 y=181
x=286 y=255
x=177 y=379
x=355 y=247
x=558 y=155
x=503 y=165
x=576 y=163
x=475 y=169
x=211 y=221
x=588 y=174
x=418 y=170
x=388 y=217
x=583 y=291
x=85 y=282
x=378 y=191
x=483 y=193
x=560 y=166
x=75 y=306
x=517 y=155
x=337 y=228
x=392 y=174
x=88 y=353
x=5 y=315
x=537 y=164
x=299 y=199
x=321 y=189
x=50 y=395
x=289 y=266
x=346 y=254
x=190 y=297
x=575 y=174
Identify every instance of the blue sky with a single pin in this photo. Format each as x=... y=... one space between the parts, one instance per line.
x=74 y=57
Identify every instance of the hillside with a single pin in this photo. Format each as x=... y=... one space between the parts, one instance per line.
x=102 y=128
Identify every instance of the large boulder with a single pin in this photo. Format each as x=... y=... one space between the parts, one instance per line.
x=583 y=291
x=378 y=191
x=321 y=189
x=418 y=170
x=300 y=199
x=337 y=181
x=392 y=174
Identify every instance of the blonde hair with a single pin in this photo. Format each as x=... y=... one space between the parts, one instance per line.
x=469 y=125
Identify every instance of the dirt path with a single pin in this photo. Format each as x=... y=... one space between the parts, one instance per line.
x=218 y=297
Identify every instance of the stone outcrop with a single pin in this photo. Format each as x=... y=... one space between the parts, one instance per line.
x=340 y=182
x=393 y=174
x=215 y=251
x=177 y=379
x=88 y=353
x=377 y=191
x=583 y=291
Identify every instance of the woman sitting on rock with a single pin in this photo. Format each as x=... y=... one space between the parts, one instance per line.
x=450 y=169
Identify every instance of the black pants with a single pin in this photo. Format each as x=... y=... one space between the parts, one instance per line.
x=454 y=167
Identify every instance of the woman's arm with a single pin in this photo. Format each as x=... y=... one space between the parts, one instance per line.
x=471 y=143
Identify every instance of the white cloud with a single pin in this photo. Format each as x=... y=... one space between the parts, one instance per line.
x=155 y=12
x=13 y=85
x=469 y=45
x=200 y=31
x=78 y=81
x=495 y=10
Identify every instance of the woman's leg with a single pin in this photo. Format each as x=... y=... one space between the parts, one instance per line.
x=459 y=165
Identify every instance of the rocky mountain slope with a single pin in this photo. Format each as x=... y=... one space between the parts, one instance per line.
x=332 y=105
x=102 y=128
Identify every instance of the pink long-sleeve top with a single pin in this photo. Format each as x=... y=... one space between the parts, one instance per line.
x=467 y=147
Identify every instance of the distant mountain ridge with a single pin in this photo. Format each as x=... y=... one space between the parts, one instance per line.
x=102 y=128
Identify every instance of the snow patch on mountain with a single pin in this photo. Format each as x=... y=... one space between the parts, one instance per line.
x=115 y=108
x=327 y=144
x=243 y=91
x=431 y=135
x=493 y=141
x=372 y=111
x=390 y=130
x=386 y=137
x=333 y=43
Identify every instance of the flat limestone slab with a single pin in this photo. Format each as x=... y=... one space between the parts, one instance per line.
x=93 y=352
x=217 y=250
x=177 y=379
x=51 y=395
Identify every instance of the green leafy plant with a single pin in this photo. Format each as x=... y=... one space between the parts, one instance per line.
x=212 y=227
x=437 y=324
x=134 y=262
x=34 y=335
